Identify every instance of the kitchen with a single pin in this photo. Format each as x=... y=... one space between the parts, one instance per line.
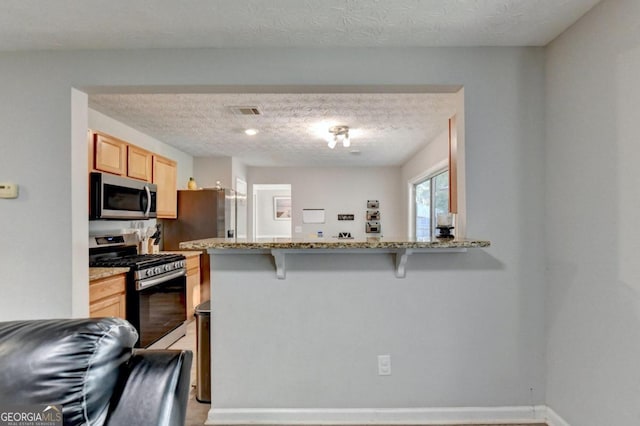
x=537 y=118
x=360 y=169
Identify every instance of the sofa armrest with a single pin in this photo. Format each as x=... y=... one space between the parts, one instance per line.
x=153 y=389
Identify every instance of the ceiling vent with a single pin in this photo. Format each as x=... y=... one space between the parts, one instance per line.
x=245 y=110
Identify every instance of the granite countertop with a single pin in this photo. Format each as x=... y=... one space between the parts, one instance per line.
x=329 y=243
x=185 y=253
x=97 y=273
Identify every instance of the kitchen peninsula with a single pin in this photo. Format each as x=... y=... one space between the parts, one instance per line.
x=280 y=247
x=290 y=314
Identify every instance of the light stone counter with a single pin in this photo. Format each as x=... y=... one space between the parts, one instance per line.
x=185 y=253
x=97 y=273
x=329 y=243
x=280 y=248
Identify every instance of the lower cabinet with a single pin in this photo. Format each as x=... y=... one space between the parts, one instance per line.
x=107 y=297
x=193 y=285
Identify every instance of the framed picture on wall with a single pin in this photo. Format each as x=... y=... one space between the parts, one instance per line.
x=281 y=208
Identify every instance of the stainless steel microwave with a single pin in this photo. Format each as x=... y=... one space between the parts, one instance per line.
x=116 y=197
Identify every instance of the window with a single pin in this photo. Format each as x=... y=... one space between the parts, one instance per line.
x=431 y=199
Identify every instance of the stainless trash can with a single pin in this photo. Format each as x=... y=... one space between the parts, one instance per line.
x=203 y=352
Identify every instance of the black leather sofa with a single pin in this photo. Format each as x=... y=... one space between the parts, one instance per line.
x=89 y=367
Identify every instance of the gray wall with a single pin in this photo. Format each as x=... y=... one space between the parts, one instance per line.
x=593 y=207
x=339 y=190
x=266 y=225
x=208 y=170
x=499 y=292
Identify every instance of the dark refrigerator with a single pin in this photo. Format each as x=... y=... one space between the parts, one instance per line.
x=202 y=213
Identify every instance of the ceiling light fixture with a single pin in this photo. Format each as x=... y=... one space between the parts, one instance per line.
x=251 y=132
x=340 y=134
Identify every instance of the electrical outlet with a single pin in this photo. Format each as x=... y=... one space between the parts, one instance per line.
x=384 y=365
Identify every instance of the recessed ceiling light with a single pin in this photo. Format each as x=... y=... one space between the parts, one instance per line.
x=355 y=152
x=251 y=132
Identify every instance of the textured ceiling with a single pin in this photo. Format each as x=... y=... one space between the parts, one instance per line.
x=114 y=24
x=386 y=129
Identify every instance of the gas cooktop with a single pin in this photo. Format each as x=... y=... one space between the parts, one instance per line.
x=136 y=261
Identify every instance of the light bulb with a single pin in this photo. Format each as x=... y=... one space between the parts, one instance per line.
x=332 y=143
x=346 y=142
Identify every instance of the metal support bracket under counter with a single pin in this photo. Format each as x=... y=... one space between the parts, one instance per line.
x=281 y=249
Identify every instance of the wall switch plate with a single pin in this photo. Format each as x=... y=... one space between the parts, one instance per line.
x=297 y=229
x=384 y=365
x=8 y=190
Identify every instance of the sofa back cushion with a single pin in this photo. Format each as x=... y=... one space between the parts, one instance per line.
x=74 y=363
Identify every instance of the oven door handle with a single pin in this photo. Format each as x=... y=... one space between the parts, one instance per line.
x=142 y=284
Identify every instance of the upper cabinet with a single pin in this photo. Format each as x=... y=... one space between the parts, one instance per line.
x=139 y=163
x=165 y=176
x=110 y=154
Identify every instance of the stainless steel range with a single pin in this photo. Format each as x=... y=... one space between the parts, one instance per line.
x=156 y=288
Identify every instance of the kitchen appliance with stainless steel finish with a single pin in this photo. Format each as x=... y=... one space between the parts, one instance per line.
x=155 y=289
x=117 y=197
x=205 y=213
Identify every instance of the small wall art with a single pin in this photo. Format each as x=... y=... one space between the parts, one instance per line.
x=282 y=208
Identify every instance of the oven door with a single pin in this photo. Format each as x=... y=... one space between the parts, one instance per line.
x=160 y=309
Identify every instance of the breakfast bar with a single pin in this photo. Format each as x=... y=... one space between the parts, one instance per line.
x=281 y=248
x=292 y=314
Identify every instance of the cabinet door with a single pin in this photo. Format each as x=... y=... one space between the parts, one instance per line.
x=111 y=155
x=139 y=162
x=107 y=297
x=193 y=292
x=112 y=306
x=165 y=176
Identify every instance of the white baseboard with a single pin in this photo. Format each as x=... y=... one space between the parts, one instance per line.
x=553 y=419
x=390 y=416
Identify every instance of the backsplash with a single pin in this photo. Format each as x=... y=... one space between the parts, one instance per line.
x=97 y=227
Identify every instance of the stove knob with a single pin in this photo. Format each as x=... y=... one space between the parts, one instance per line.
x=167 y=267
x=157 y=270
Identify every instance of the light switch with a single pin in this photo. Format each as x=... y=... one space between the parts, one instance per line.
x=8 y=190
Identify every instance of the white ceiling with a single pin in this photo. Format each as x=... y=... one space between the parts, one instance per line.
x=386 y=129
x=115 y=24
x=391 y=127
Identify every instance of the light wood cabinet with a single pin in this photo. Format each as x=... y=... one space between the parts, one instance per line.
x=139 y=163
x=165 y=176
x=107 y=297
x=193 y=285
x=110 y=154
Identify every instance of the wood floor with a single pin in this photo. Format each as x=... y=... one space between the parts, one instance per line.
x=197 y=412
